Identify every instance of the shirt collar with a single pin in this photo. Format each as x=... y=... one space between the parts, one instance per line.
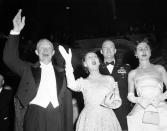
x=45 y=66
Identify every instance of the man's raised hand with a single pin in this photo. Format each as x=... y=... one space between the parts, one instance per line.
x=18 y=22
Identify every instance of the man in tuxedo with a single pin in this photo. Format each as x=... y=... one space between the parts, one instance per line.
x=6 y=114
x=119 y=71
x=44 y=101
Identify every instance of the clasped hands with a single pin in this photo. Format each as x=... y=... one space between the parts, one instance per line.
x=145 y=102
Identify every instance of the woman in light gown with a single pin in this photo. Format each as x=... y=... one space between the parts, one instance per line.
x=147 y=80
x=100 y=94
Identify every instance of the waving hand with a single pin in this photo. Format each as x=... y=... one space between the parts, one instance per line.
x=67 y=56
x=18 y=22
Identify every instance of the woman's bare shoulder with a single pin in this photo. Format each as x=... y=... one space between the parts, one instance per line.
x=132 y=72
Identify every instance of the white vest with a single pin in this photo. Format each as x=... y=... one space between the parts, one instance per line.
x=47 y=91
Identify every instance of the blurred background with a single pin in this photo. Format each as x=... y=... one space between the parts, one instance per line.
x=69 y=20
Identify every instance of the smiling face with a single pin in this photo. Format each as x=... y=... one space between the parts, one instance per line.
x=45 y=51
x=108 y=50
x=143 y=51
x=91 y=61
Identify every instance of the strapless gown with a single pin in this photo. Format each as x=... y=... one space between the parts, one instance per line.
x=148 y=87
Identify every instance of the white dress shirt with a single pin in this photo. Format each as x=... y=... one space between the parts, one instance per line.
x=47 y=91
x=110 y=68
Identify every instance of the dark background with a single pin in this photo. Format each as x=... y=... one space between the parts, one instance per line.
x=76 y=19
x=69 y=21
x=66 y=21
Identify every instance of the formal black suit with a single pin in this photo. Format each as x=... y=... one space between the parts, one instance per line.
x=120 y=74
x=30 y=75
x=6 y=109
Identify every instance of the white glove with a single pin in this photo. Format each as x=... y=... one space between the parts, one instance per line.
x=156 y=100
x=67 y=56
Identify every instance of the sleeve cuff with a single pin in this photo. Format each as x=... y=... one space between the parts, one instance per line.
x=12 y=32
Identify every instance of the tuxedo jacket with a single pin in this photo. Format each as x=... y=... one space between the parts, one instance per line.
x=30 y=75
x=5 y=103
x=120 y=74
x=6 y=109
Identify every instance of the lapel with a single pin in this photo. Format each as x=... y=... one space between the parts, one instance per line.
x=116 y=66
x=36 y=73
x=105 y=70
x=59 y=80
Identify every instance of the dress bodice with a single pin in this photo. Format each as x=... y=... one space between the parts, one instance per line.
x=148 y=85
x=94 y=93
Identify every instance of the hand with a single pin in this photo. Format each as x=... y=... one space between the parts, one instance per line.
x=109 y=98
x=67 y=56
x=144 y=102
x=18 y=22
x=156 y=100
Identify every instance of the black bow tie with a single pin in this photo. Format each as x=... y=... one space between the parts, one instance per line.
x=111 y=63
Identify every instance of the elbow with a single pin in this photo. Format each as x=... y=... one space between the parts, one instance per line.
x=128 y=98
x=132 y=98
x=71 y=86
x=6 y=57
x=6 y=60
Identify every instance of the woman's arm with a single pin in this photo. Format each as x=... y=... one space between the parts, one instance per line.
x=131 y=88
x=71 y=82
x=163 y=96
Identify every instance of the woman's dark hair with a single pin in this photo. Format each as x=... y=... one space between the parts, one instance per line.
x=145 y=40
x=83 y=60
